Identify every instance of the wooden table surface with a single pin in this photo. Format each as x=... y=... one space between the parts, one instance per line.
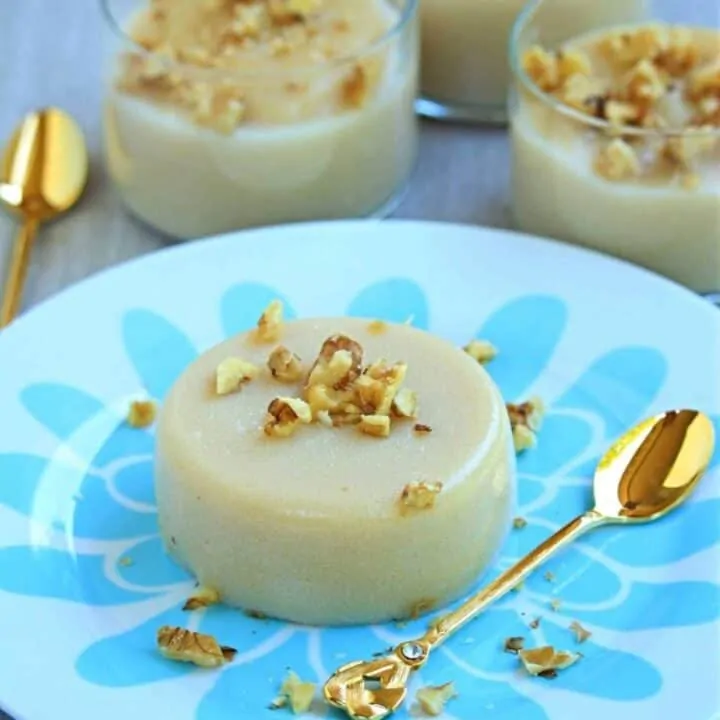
x=52 y=56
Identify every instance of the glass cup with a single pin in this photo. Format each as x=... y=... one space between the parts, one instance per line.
x=627 y=162
x=196 y=149
x=465 y=72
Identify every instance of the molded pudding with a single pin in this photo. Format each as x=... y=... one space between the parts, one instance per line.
x=301 y=476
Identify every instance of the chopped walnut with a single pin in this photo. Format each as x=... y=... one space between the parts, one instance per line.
x=432 y=699
x=142 y=413
x=420 y=607
x=377 y=327
x=519 y=523
x=338 y=364
x=232 y=373
x=285 y=415
x=542 y=68
x=525 y=421
x=534 y=624
x=577 y=91
x=202 y=597
x=355 y=88
x=375 y=425
x=297 y=693
x=581 y=634
x=269 y=326
x=422 y=429
x=482 y=351
x=705 y=81
x=289 y=11
x=549 y=576
x=546 y=661
x=284 y=365
x=572 y=64
x=644 y=83
x=514 y=644
x=377 y=387
x=555 y=604
x=684 y=149
x=629 y=48
x=405 y=404
x=681 y=53
x=617 y=161
x=419 y=495
x=176 y=643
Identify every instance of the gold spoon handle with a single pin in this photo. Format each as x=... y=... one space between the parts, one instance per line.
x=18 y=271
x=452 y=622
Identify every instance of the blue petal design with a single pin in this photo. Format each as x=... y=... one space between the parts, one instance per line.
x=529 y=490
x=526 y=331
x=238 y=629
x=150 y=566
x=598 y=671
x=650 y=606
x=243 y=304
x=19 y=476
x=716 y=455
x=681 y=534
x=125 y=441
x=562 y=438
x=60 y=408
x=135 y=482
x=619 y=387
x=97 y=515
x=58 y=574
x=394 y=300
x=249 y=699
x=159 y=351
x=131 y=659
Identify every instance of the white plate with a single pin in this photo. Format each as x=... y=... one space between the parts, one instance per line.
x=604 y=343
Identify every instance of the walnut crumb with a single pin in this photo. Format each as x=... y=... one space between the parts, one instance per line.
x=549 y=576
x=555 y=604
x=617 y=161
x=534 y=624
x=519 y=523
x=419 y=495
x=232 y=373
x=202 y=597
x=541 y=67
x=125 y=561
x=338 y=364
x=375 y=425
x=581 y=634
x=298 y=694
x=255 y=614
x=420 y=607
x=514 y=644
x=269 y=326
x=142 y=413
x=482 y=351
x=405 y=404
x=377 y=327
x=285 y=415
x=176 y=643
x=284 y=365
x=355 y=88
x=421 y=429
x=525 y=421
x=683 y=149
x=546 y=661
x=433 y=698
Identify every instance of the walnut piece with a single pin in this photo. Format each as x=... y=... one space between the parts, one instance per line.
x=546 y=661
x=232 y=373
x=202 y=597
x=419 y=496
x=422 y=429
x=142 y=413
x=377 y=327
x=375 y=425
x=525 y=421
x=482 y=351
x=269 y=326
x=379 y=384
x=514 y=644
x=581 y=634
x=176 y=643
x=542 y=68
x=298 y=694
x=686 y=148
x=355 y=88
x=432 y=699
x=338 y=364
x=285 y=366
x=405 y=404
x=285 y=415
x=519 y=523
x=617 y=161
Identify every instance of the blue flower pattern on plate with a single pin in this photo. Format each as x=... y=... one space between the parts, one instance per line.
x=100 y=544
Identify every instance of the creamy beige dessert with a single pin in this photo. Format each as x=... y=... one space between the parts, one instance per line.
x=616 y=145
x=465 y=42
x=301 y=476
x=236 y=113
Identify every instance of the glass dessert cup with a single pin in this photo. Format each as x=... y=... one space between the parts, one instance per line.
x=197 y=147
x=465 y=72
x=644 y=187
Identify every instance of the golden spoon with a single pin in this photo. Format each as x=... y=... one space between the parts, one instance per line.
x=43 y=173
x=647 y=473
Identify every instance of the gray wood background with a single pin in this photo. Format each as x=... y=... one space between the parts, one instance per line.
x=51 y=55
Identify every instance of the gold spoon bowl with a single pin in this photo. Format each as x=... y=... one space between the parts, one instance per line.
x=648 y=472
